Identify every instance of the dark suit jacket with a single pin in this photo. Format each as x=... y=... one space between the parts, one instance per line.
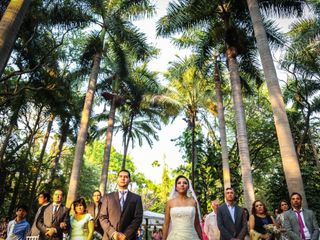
x=127 y=221
x=34 y=230
x=229 y=229
x=47 y=220
x=91 y=208
x=291 y=224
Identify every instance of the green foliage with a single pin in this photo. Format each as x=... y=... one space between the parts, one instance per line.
x=208 y=178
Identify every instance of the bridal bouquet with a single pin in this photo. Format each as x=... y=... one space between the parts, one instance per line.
x=272 y=229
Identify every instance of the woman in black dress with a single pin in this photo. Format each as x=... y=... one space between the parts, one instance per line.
x=258 y=221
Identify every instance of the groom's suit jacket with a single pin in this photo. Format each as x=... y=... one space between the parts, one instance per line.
x=48 y=220
x=228 y=228
x=291 y=224
x=127 y=221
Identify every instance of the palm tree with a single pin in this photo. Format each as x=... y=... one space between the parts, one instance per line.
x=204 y=45
x=9 y=26
x=219 y=18
x=301 y=62
x=83 y=131
x=191 y=91
x=112 y=17
x=125 y=90
x=288 y=153
x=222 y=128
x=141 y=108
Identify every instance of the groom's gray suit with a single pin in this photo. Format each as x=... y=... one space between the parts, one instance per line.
x=291 y=224
x=127 y=222
x=228 y=228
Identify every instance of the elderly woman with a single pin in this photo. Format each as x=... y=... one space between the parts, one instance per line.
x=258 y=220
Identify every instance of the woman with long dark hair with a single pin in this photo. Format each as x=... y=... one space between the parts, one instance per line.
x=258 y=221
x=182 y=218
x=282 y=208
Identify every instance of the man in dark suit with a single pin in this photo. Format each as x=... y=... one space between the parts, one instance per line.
x=44 y=201
x=121 y=212
x=232 y=220
x=54 y=220
x=300 y=223
x=94 y=210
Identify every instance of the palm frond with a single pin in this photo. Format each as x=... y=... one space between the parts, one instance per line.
x=282 y=8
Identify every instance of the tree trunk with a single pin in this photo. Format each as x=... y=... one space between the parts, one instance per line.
x=287 y=149
x=107 y=148
x=193 y=150
x=3 y=182
x=222 y=129
x=15 y=195
x=9 y=26
x=242 y=137
x=126 y=142
x=83 y=131
x=22 y=164
x=40 y=160
x=12 y=123
x=57 y=155
x=5 y=144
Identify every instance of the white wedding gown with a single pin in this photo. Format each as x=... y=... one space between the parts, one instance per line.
x=182 y=223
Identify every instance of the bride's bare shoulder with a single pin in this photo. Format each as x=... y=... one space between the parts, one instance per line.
x=193 y=201
x=171 y=202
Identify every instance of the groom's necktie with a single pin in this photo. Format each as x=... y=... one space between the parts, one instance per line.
x=55 y=209
x=122 y=200
x=301 y=225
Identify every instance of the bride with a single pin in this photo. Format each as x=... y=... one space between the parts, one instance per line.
x=181 y=215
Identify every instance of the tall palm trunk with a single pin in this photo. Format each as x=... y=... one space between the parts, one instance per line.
x=107 y=148
x=193 y=148
x=83 y=131
x=127 y=141
x=222 y=129
x=9 y=27
x=40 y=160
x=287 y=149
x=242 y=137
x=58 y=152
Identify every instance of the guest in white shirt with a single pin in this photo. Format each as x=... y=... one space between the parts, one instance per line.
x=211 y=225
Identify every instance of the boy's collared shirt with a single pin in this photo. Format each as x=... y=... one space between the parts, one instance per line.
x=18 y=230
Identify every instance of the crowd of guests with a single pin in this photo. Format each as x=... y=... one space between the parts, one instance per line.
x=119 y=216
x=229 y=221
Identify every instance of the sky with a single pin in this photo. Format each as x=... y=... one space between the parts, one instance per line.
x=165 y=150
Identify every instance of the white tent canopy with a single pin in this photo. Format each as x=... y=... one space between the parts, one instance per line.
x=153 y=218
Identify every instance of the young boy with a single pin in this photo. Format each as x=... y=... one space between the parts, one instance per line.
x=19 y=227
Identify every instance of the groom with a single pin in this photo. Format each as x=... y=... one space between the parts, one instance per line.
x=121 y=211
x=232 y=221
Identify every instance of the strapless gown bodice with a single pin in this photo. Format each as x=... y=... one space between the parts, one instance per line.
x=182 y=223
